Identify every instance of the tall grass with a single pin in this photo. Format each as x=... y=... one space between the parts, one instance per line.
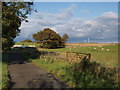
x=5 y=79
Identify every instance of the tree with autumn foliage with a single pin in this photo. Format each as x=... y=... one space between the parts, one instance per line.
x=49 y=38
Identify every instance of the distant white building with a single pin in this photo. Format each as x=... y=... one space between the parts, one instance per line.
x=23 y=46
x=17 y=46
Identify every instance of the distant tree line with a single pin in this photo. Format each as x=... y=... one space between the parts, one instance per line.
x=27 y=40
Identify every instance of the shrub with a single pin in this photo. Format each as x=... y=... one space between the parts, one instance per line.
x=88 y=74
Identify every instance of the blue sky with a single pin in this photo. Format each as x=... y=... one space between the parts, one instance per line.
x=89 y=9
x=80 y=20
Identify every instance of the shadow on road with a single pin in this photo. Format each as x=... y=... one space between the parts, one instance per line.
x=22 y=55
x=46 y=81
x=23 y=74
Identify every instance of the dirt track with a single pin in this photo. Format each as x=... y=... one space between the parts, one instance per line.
x=27 y=75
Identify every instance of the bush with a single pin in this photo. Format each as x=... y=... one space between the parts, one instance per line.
x=88 y=74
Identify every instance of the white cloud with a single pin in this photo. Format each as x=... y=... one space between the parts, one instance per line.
x=109 y=15
x=106 y=24
x=84 y=11
x=62 y=14
x=101 y=27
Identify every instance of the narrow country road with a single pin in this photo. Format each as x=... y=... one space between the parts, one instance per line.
x=27 y=75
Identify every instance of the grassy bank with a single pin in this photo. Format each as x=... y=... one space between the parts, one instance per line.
x=5 y=79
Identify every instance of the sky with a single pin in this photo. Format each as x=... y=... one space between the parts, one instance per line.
x=96 y=21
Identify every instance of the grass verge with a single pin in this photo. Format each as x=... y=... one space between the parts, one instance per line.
x=53 y=66
x=5 y=79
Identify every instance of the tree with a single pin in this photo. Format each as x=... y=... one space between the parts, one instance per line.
x=49 y=38
x=65 y=38
x=13 y=13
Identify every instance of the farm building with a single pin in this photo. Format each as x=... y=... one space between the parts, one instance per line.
x=22 y=46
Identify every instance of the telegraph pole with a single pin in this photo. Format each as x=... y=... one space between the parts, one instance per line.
x=88 y=40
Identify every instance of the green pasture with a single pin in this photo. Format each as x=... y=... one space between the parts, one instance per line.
x=107 y=57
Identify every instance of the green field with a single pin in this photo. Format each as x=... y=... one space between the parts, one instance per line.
x=106 y=58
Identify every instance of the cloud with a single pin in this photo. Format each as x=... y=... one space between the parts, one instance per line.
x=103 y=27
x=84 y=11
x=62 y=14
